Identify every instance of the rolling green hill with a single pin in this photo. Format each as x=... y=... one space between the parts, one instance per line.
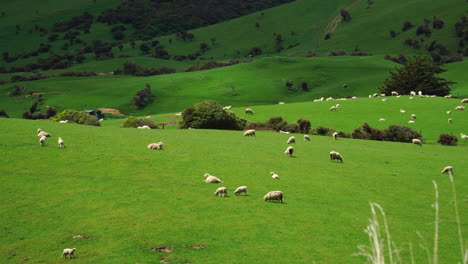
x=125 y=200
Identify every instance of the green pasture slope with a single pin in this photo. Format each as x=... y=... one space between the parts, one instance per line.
x=127 y=199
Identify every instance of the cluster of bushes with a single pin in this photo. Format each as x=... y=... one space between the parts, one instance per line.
x=327 y=131
x=336 y=53
x=33 y=112
x=461 y=31
x=131 y=68
x=143 y=97
x=394 y=133
x=78 y=117
x=412 y=43
x=192 y=56
x=135 y=122
x=401 y=59
x=447 y=140
x=43 y=48
x=3 y=113
x=39 y=76
x=82 y=22
x=118 y=32
x=277 y=123
x=211 y=65
x=254 y=52
x=210 y=115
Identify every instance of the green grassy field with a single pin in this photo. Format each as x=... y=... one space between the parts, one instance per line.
x=128 y=199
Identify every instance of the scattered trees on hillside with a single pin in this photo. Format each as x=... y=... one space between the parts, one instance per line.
x=417 y=74
x=406 y=25
x=143 y=97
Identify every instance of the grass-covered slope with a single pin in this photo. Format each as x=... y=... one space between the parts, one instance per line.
x=127 y=199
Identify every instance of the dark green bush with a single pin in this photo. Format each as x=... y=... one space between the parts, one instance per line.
x=277 y=123
x=257 y=126
x=447 y=140
x=210 y=115
x=293 y=128
x=3 y=114
x=368 y=132
x=400 y=134
x=304 y=126
x=77 y=117
x=135 y=122
x=322 y=131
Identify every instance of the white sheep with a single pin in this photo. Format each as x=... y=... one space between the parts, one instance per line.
x=413 y=116
x=354 y=97
x=448 y=96
x=448 y=112
x=382 y=120
x=178 y=114
x=417 y=142
x=291 y=140
x=384 y=100
x=411 y=122
x=402 y=111
x=68 y=252
x=281 y=103
x=60 y=143
x=221 y=192
x=375 y=95
x=411 y=97
x=249 y=111
x=211 y=179
x=274 y=175
x=306 y=137
x=335 y=135
x=250 y=132
x=395 y=93
x=41 y=133
x=100 y=120
x=227 y=107
x=337 y=106
x=274 y=196
x=460 y=107
x=158 y=145
x=284 y=132
x=63 y=121
x=420 y=93
x=447 y=170
x=463 y=136
x=336 y=156
x=383 y=95
x=398 y=96
x=333 y=108
x=144 y=127
x=241 y=189
x=42 y=141
x=330 y=99
x=464 y=101
x=413 y=93
x=289 y=151
x=450 y=120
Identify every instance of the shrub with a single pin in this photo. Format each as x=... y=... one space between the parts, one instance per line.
x=407 y=25
x=327 y=36
x=135 y=122
x=368 y=132
x=3 y=113
x=393 y=34
x=293 y=128
x=305 y=87
x=423 y=30
x=254 y=52
x=447 y=140
x=322 y=131
x=437 y=23
x=77 y=117
x=143 y=97
x=29 y=115
x=303 y=126
x=400 y=134
x=50 y=112
x=345 y=15
x=257 y=126
x=277 y=123
x=210 y=115
x=336 y=53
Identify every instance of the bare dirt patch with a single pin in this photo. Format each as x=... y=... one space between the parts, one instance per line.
x=82 y=236
x=111 y=111
x=198 y=246
x=162 y=249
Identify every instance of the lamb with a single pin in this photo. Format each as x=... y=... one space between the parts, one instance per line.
x=460 y=107
x=394 y=93
x=227 y=107
x=221 y=192
x=158 y=145
x=144 y=127
x=249 y=111
x=42 y=141
x=306 y=137
x=448 y=96
x=413 y=116
x=411 y=122
x=291 y=140
x=274 y=175
x=211 y=179
x=335 y=135
x=383 y=95
x=417 y=141
x=241 y=189
x=284 y=132
x=463 y=136
x=375 y=95
x=289 y=151
x=398 y=96
x=402 y=111
x=281 y=103
x=41 y=133
x=274 y=196
x=413 y=93
x=420 y=93
x=336 y=156
x=333 y=108
x=464 y=101
x=250 y=132
x=330 y=99
x=63 y=121
x=449 y=112
x=354 y=97
x=450 y=120
x=384 y=100
x=178 y=114
x=382 y=120
x=68 y=252
x=447 y=170
x=60 y=143
x=337 y=106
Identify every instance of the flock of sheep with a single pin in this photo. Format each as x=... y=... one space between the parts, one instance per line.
x=43 y=137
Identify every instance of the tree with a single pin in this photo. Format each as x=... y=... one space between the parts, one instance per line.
x=145 y=48
x=418 y=74
x=304 y=86
x=345 y=15
x=204 y=47
x=210 y=115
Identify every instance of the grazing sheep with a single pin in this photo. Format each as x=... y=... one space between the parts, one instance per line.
x=100 y=120
x=60 y=143
x=383 y=95
x=375 y=95
x=402 y=111
x=39 y=130
x=411 y=98
x=337 y=106
x=274 y=175
x=330 y=99
x=41 y=133
x=335 y=135
x=281 y=103
x=413 y=116
x=450 y=120
x=241 y=189
x=384 y=100
x=398 y=96
x=463 y=136
x=250 y=132
x=413 y=93
x=274 y=196
x=420 y=93
x=221 y=192
x=68 y=252
x=178 y=114
x=63 y=121
x=249 y=111
x=447 y=170
x=417 y=141
x=411 y=122
x=382 y=120
x=289 y=151
x=211 y=179
x=291 y=140
x=158 y=145
x=42 y=141
x=333 y=108
x=460 y=107
x=306 y=137
x=394 y=93
x=336 y=156
x=354 y=97
x=227 y=107
x=464 y=101
x=284 y=132
x=449 y=112
x=144 y=127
